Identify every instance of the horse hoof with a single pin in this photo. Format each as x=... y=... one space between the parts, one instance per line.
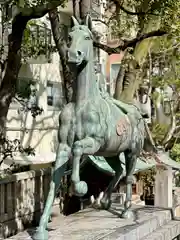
x=40 y=234
x=106 y=204
x=80 y=188
x=128 y=215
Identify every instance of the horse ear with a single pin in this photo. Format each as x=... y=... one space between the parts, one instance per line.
x=74 y=22
x=88 y=22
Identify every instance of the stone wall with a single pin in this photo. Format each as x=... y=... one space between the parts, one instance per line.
x=22 y=199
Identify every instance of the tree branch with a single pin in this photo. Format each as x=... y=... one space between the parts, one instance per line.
x=58 y=35
x=121 y=7
x=106 y=48
x=40 y=10
x=129 y=12
x=129 y=43
x=101 y=21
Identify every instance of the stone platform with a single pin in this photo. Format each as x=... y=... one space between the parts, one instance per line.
x=90 y=224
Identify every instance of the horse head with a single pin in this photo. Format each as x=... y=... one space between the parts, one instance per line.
x=80 y=43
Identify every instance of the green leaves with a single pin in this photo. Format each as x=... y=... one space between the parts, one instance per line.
x=148 y=178
x=23 y=88
x=166 y=57
x=124 y=24
x=158 y=132
x=171 y=16
x=36 y=41
x=175 y=152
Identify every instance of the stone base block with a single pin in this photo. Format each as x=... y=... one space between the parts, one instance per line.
x=91 y=224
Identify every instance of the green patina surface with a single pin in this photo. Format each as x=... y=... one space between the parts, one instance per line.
x=94 y=124
x=141 y=165
x=102 y=165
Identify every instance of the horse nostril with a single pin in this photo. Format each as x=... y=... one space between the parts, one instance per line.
x=79 y=53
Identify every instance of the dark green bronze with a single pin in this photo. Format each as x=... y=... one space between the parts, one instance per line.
x=93 y=124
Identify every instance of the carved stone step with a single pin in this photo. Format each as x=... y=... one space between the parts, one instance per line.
x=166 y=232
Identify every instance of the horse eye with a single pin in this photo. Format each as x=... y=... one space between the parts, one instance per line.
x=87 y=38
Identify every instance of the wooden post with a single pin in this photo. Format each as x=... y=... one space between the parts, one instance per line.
x=163 y=187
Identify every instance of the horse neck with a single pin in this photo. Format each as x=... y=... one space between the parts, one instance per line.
x=85 y=86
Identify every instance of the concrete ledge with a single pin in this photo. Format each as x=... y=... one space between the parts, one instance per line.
x=24 y=159
x=25 y=175
x=96 y=225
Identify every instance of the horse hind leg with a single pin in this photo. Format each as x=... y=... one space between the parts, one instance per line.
x=96 y=203
x=131 y=160
x=115 y=163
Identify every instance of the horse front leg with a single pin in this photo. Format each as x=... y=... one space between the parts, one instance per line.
x=62 y=158
x=85 y=146
x=131 y=160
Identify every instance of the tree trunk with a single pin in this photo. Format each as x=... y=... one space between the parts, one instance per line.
x=76 y=9
x=129 y=82
x=85 y=7
x=140 y=53
x=61 y=47
x=119 y=83
x=8 y=84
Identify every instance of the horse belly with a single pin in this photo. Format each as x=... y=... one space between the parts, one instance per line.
x=118 y=144
x=119 y=139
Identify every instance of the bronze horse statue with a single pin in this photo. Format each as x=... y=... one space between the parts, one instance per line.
x=93 y=125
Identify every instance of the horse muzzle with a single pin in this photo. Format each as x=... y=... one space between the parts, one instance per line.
x=75 y=57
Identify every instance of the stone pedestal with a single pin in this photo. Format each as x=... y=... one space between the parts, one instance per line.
x=164 y=187
x=150 y=224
